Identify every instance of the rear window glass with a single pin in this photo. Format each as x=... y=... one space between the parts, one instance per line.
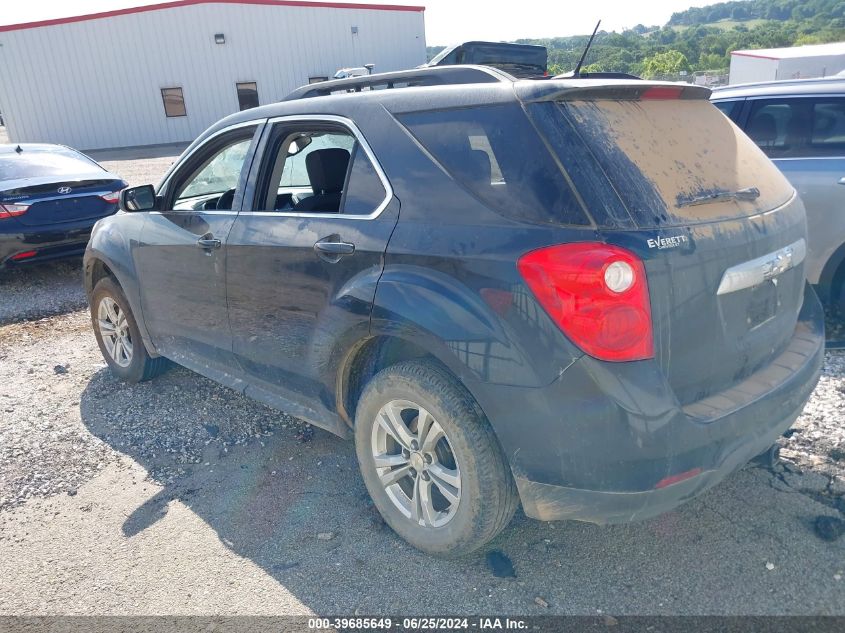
x=497 y=155
x=37 y=164
x=675 y=162
x=493 y=55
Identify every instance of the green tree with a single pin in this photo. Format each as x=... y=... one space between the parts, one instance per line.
x=712 y=61
x=669 y=62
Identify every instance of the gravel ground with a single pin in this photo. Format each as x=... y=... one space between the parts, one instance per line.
x=180 y=496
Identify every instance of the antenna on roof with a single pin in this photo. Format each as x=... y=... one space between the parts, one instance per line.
x=577 y=72
x=19 y=149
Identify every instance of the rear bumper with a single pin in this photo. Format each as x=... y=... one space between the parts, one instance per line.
x=599 y=443
x=55 y=242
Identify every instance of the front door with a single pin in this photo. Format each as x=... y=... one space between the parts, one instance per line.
x=182 y=256
x=304 y=262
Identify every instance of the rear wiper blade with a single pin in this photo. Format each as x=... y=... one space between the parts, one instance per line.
x=750 y=193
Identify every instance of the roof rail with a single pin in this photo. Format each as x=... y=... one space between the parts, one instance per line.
x=433 y=76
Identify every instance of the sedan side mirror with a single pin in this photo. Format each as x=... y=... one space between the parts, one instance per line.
x=141 y=198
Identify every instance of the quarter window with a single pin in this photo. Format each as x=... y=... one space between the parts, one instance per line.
x=496 y=154
x=174 y=102
x=247 y=95
x=319 y=170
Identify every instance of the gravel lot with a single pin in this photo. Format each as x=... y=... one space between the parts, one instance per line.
x=180 y=496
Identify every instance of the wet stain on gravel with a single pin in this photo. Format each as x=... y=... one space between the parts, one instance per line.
x=500 y=565
x=829 y=528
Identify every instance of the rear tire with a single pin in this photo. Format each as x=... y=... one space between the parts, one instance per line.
x=118 y=335
x=445 y=487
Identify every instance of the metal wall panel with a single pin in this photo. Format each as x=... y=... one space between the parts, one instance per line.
x=96 y=83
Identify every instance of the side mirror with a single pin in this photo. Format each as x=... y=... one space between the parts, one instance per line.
x=141 y=198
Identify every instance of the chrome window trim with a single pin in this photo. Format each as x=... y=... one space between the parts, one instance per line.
x=777 y=159
x=756 y=271
x=359 y=137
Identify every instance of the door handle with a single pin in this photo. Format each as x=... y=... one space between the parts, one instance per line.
x=330 y=249
x=335 y=248
x=208 y=242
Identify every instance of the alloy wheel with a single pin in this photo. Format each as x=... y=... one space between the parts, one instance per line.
x=415 y=463
x=114 y=330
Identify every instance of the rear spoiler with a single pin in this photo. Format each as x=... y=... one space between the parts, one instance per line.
x=610 y=90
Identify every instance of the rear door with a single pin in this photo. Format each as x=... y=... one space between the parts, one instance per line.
x=181 y=259
x=304 y=261
x=805 y=137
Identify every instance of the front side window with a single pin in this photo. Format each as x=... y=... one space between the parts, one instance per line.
x=247 y=95
x=212 y=183
x=319 y=170
x=174 y=102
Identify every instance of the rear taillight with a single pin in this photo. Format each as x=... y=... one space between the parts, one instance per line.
x=24 y=255
x=597 y=294
x=111 y=198
x=12 y=210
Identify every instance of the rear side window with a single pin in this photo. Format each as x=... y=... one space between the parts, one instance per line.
x=497 y=155
x=364 y=191
x=828 y=129
x=794 y=128
x=319 y=168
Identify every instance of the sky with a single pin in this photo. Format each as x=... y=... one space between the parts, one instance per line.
x=446 y=21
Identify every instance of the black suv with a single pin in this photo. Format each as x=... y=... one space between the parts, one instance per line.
x=586 y=296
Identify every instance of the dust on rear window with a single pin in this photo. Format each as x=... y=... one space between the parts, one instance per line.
x=660 y=156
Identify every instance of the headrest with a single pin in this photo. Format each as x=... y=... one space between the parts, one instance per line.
x=763 y=128
x=327 y=169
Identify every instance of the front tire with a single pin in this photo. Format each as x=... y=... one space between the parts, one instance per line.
x=430 y=460
x=118 y=335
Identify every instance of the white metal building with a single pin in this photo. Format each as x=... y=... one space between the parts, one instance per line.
x=163 y=73
x=798 y=62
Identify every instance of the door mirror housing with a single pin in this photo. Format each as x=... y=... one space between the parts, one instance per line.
x=141 y=198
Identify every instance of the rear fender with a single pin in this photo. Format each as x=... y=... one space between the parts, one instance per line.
x=453 y=323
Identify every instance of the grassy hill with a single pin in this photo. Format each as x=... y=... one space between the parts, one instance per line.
x=700 y=38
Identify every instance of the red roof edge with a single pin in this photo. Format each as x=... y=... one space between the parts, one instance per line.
x=188 y=3
x=744 y=54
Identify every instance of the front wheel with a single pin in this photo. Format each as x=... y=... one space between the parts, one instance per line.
x=118 y=335
x=430 y=460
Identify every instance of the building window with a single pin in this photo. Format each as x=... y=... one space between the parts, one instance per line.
x=174 y=102
x=247 y=95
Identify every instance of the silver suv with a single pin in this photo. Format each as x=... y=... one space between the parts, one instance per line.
x=800 y=125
